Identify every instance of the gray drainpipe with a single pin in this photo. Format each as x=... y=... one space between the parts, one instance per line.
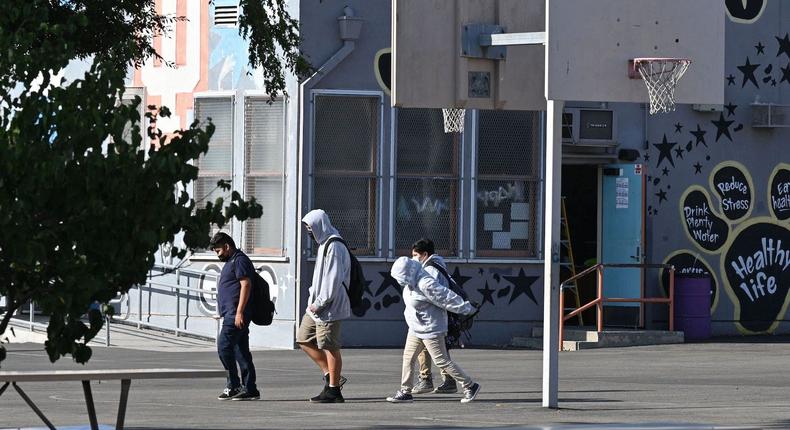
x=350 y=27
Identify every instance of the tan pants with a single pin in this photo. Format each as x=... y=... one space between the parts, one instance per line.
x=425 y=362
x=438 y=353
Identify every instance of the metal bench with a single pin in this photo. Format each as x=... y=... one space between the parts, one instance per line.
x=124 y=375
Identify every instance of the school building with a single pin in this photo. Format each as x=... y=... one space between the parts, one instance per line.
x=706 y=188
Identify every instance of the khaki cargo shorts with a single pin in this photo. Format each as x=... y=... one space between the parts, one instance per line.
x=326 y=335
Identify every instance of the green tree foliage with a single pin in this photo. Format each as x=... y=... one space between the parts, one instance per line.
x=83 y=206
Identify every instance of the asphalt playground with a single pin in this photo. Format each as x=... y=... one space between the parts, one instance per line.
x=733 y=383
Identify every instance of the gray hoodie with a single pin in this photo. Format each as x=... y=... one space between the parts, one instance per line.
x=331 y=275
x=426 y=300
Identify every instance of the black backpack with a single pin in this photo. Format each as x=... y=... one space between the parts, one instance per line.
x=457 y=325
x=260 y=302
x=262 y=305
x=356 y=287
x=450 y=281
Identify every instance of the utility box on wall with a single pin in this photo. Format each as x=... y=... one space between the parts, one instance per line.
x=769 y=115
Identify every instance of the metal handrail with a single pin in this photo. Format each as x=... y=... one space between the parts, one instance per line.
x=600 y=299
x=152 y=287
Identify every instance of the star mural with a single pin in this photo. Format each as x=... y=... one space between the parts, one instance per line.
x=665 y=172
x=785 y=74
x=678 y=128
x=748 y=73
x=521 y=285
x=722 y=127
x=662 y=195
x=760 y=48
x=488 y=294
x=730 y=109
x=665 y=151
x=679 y=153
x=388 y=282
x=697 y=168
x=699 y=134
x=646 y=157
x=784 y=45
x=459 y=278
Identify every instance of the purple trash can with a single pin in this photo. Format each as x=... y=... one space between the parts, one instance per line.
x=692 y=306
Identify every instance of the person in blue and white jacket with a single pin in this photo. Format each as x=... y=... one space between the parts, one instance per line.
x=426 y=303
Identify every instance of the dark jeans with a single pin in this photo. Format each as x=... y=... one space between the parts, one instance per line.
x=233 y=346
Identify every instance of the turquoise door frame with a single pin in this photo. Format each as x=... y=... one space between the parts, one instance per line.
x=622 y=208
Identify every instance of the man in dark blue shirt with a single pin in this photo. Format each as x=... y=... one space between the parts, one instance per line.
x=233 y=343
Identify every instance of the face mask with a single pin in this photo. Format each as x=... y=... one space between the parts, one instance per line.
x=417 y=259
x=310 y=233
x=223 y=258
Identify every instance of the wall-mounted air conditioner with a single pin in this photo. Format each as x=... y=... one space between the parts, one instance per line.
x=589 y=126
x=770 y=115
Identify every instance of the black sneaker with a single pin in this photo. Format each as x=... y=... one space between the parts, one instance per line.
x=320 y=396
x=245 y=395
x=471 y=393
x=448 y=387
x=228 y=393
x=401 y=397
x=422 y=387
x=329 y=395
x=343 y=381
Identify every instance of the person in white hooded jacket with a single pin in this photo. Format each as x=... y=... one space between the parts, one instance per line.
x=427 y=302
x=423 y=251
x=328 y=304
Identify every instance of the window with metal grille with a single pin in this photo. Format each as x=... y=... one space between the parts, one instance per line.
x=345 y=169
x=217 y=163
x=508 y=191
x=426 y=195
x=264 y=174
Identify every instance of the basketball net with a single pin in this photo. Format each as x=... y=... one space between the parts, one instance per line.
x=661 y=76
x=453 y=120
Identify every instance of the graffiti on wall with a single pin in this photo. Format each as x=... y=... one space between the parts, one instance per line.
x=491 y=287
x=737 y=234
x=753 y=252
x=208 y=285
x=745 y=11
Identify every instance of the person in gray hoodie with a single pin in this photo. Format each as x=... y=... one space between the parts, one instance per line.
x=328 y=305
x=427 y=302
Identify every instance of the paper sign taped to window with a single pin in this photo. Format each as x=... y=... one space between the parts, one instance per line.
x=621 y=194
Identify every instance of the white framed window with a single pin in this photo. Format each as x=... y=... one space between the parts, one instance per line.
x=427 y=197
x=217 y=163
x=247 y=149
x=345 y=168
x=264 y=173
x=508 y=185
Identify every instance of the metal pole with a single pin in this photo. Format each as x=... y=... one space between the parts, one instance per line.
x=672 y=299
x=107 y=334
x=561 y=329
x=32 y=311
x=599 y=318
x=551 y=251
x=178 y=302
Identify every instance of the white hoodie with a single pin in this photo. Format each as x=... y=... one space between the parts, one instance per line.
x=331 y=275
x=426 y=300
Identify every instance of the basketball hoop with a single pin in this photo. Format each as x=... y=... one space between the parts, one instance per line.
x=661 y=76
x=453 y=120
